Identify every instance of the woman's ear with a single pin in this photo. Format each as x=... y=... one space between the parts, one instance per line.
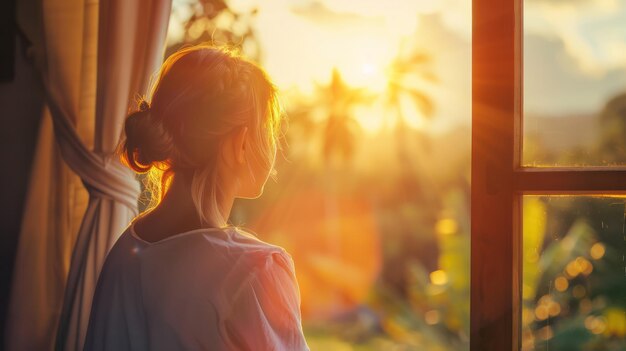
x=239 y=145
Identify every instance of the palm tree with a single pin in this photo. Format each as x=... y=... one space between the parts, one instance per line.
x=403 y=72
x=341 y=128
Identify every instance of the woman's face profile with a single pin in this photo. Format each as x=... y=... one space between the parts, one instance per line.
x=244 y=161
x=258 y=176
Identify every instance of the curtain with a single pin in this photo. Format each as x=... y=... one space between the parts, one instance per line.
x=94 y=58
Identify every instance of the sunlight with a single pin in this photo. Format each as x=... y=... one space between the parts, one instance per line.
x=368 y=68
x=380 y=260
x=367 y=75
x=439 y=277
x=370 y=119
x=412 y=116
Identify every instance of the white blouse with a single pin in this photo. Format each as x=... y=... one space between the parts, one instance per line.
x=206 y=289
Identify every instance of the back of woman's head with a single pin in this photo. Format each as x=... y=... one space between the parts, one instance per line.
x=201 y=94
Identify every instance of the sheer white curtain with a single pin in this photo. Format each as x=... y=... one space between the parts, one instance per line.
x=94 y=58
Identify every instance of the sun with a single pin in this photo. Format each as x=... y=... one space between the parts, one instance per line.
x=368 y=68
x=366 y=74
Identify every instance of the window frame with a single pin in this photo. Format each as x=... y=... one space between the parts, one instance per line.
x=499 y=180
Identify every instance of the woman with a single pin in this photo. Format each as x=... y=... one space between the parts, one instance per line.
x=179 y=277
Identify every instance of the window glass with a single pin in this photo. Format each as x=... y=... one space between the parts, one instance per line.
x=573 y=273
x=574 y=83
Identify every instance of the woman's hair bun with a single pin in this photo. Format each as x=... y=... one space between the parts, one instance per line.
x=147 y=140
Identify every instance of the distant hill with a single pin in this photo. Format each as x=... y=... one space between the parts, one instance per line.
x=562 y=133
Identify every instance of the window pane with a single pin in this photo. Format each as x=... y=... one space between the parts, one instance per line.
x=574 y=83
x=573 y=273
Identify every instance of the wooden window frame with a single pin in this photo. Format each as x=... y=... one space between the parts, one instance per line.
x=499 y=180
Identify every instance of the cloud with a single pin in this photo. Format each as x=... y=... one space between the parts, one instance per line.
x=399 y=16
x=317 y=11
x=555 y=84
x=592 y=32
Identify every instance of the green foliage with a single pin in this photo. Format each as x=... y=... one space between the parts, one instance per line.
x=590 y=309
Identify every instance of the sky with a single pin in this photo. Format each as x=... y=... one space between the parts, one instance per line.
x=575 y=55
x=575 y=50
x=303 y=40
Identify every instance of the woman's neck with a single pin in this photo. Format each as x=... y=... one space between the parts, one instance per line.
x=178 y=201
x=176 y=213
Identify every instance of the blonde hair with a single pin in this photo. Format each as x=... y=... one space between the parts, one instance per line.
x=201 y=94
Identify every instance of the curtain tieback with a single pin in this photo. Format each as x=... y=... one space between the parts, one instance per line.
x=102 y=173
x=112 y=180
